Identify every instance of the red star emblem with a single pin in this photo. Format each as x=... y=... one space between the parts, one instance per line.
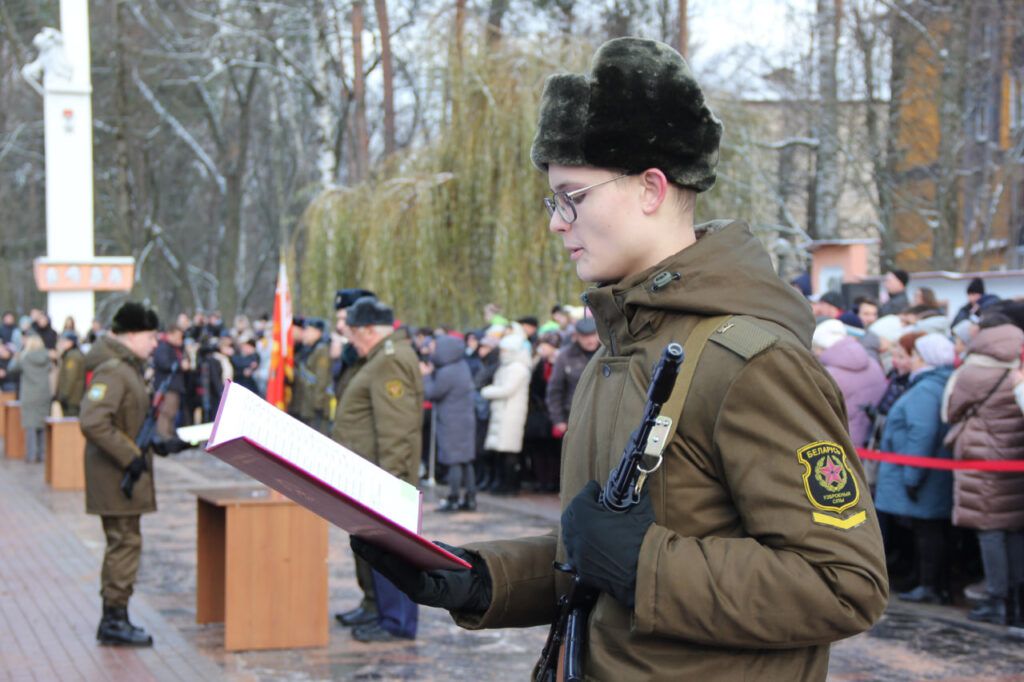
x=832 y=471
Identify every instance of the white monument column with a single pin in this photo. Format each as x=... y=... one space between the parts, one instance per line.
x=69 y=272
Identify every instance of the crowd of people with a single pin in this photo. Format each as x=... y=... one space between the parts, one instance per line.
x=497 y=401
x=917 y=381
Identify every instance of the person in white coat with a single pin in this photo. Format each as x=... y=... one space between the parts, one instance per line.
x=509 y=394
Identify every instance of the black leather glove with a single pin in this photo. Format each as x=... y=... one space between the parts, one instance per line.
x=131 y=475
x=169 y=446
x=454 y=590
x=604 y=546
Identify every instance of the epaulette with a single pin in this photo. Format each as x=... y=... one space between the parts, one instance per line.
x=743 y=337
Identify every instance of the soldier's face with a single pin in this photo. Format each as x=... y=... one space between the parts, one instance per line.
x=142 y=344
x=603 y=240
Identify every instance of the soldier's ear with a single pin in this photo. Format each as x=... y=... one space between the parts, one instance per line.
x=654 y=189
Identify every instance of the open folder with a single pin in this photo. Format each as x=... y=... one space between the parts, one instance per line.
x=333 y=482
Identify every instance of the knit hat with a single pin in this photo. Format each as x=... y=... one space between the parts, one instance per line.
x=977 y=286
x=134 y=317
x=586 y=326
x=828 y=334
x=369 y=312
x=887 y=327
x=935 y=349
x=901 y=275
x=936 y=324
x=639 y=107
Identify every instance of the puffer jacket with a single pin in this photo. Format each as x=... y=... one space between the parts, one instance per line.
x=987 y=424
x=509 y=394
x=861 y=380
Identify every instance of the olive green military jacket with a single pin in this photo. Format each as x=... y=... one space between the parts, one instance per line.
x=314 y=377
x=766 y=546
x=380 y=415
x=71 y=381
x=113 y=410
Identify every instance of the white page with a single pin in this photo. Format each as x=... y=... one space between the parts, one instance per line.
x=245 y=414
x=197 y=433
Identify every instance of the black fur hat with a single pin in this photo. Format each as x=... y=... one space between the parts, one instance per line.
x=134 y=317
x=368 y=311
x=639 y=107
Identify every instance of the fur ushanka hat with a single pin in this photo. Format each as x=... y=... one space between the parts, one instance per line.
x=639 y=107
x=134 y=317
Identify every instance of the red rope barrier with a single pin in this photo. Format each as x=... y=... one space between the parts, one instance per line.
x=946 y=464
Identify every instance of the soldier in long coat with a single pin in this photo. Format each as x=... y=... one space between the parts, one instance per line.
x=114 y=408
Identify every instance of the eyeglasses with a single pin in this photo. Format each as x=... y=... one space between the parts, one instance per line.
x=565 y=202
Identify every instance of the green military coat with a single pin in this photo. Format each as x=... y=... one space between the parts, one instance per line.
x=380 y=415
x=71 y=381
x=757 y=560
x=113 y=410
x=313 y=382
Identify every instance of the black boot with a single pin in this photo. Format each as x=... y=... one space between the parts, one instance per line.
x=992 y=610
x=449 y=504
x=116 y=630
x=510 y=474
x=485 y=472
x=468 y=502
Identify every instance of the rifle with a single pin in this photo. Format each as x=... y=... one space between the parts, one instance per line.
x=145 y=436
x=621 y=492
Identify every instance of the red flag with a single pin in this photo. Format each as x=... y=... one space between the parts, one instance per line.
x=282 y=359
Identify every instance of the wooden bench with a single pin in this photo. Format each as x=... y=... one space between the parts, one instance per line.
x=65 y=454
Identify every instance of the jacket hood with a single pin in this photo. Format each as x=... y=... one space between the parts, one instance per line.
x=447 y=350
x=1003 y=343
x=847 y=354
x=726 y=272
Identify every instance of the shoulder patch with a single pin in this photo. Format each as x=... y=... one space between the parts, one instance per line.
x=743 y=337
x=395 y=388
x=69 y=363
x=828 y=481
x=97 y=391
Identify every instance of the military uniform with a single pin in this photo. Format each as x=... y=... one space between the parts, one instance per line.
x=313 y=382
x=754 y=564
x=71 y=381
x=113 y=411
x=380 y=417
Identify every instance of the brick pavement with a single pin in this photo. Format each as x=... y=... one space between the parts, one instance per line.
x=50 y=606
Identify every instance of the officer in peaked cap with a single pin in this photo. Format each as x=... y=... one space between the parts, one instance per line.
x=380 y=417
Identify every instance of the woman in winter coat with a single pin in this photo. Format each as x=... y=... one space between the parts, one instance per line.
x=925 y=496
x=986 y=424
x=32 y=365
x=448 y=385
x=509 y=394
x=859 y=377
x=544 y=449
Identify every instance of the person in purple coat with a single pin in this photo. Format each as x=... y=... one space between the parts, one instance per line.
x=859 y=376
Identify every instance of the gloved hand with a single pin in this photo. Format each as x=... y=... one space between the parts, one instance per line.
x=455 y=590
x=169 y=446
x=604 y=546
x=131 y=475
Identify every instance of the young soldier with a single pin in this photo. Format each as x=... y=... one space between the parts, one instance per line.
x=113 y=410
x=755 y=544
x=71 y=377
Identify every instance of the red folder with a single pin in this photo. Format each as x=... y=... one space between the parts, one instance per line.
x=322 y=498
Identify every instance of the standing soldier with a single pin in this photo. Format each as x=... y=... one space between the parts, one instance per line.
x=113 y=412
x=380 y=417
x=349 y=363
x=71 y=378
x=313 y=375
x=755 y=544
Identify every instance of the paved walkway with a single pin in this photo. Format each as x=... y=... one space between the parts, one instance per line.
x=49 y=602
